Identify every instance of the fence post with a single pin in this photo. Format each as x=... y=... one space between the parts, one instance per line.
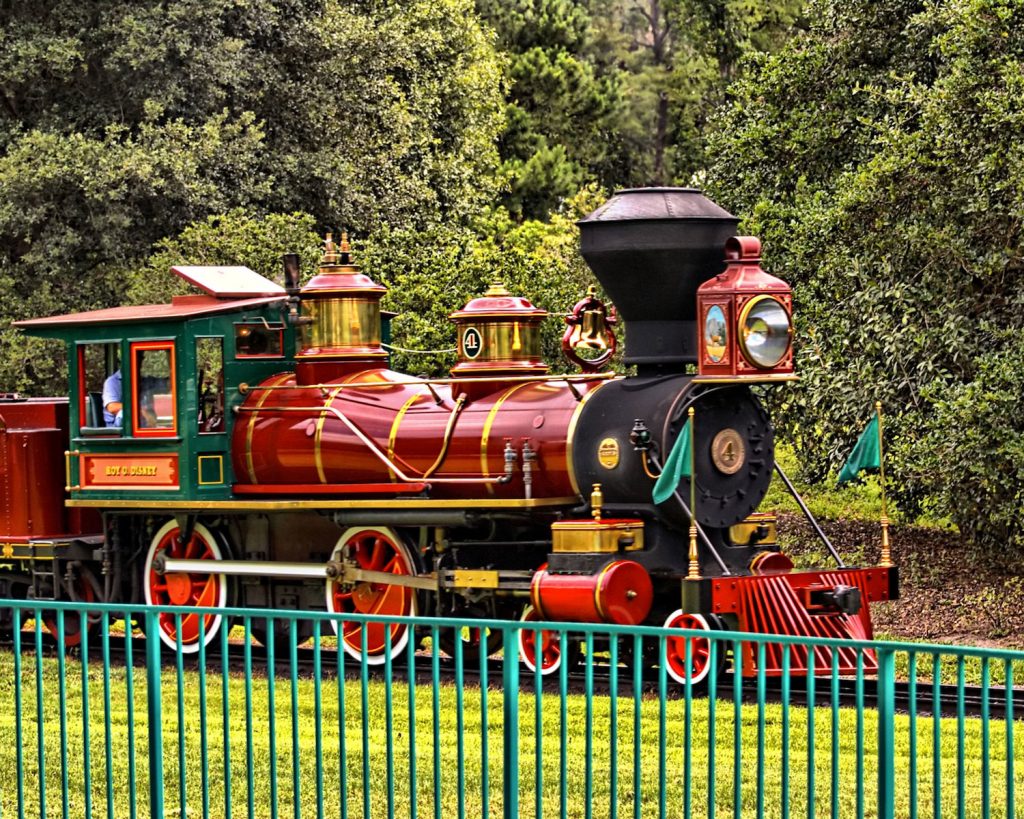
x=156 y=737
x=886 y=733
x=510 y=730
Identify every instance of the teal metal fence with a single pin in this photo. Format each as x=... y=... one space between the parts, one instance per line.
x=120 y=727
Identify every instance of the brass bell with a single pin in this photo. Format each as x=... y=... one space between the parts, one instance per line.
x=589 y=328
x=592 y=330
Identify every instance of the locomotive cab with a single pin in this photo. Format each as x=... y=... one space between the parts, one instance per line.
x=151 y=387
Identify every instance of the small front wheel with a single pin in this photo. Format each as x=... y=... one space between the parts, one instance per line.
x=700 y=648
x=544 y=647
x=474 y=639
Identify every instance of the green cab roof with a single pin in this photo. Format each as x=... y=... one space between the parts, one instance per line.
x=182 y=307
x=227 y=289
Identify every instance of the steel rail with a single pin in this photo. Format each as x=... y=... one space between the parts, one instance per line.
x=973 y=699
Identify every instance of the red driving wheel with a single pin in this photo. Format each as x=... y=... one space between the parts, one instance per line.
x=82 y=592
x=185 y=588
x=376 y=549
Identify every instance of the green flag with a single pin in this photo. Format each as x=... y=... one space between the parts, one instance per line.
x=865 y=453
x=677 y=467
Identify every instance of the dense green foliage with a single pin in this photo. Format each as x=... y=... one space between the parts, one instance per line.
x=236 y=238
x=559 y=118
x=679 y=57
x=877 y=154
x=879 y=158
x=615 y=92
x=123 y=123
x=428 y=281
x=139 y=129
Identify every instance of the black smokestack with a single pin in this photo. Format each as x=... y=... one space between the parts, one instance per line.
x=651 y=248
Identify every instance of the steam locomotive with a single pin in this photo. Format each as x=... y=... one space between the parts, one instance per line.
x=264 y=454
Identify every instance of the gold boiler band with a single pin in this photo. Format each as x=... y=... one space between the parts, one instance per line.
x=318 y=458
x=570 y=437
x=486 y=433
x=393 y=437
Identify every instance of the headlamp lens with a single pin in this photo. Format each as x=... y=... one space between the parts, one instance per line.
x=765 y=332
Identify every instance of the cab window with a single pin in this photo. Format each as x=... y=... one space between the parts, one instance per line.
x=258 y=341
x=99 y=388
x=210 y=375
x=154 y=403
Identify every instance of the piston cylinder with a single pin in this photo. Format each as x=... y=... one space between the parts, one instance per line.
x=620 y=593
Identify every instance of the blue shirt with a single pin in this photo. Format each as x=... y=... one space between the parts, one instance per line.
x=112 y=395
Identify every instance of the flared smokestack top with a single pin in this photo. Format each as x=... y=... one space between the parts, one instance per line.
x=651 y=248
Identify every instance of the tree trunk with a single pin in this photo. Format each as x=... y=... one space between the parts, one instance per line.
x=660 y=140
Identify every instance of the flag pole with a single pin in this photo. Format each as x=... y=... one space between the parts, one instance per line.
x=886 y=552
x=694 y=571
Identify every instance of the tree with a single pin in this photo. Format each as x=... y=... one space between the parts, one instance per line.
x=121 y=123
x=676 y=58
x=397 y=124
x=239 y=237
x=560 y=111
x=878 y=158
x=369 y=110
x=429 y=276
x=76 y=212
x=616 y=92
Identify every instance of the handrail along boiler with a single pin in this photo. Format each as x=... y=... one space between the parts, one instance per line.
x=268 y=456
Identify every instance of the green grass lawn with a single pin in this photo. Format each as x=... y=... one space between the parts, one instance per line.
x=269 y=780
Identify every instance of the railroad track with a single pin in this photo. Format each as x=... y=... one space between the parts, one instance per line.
x=948 y=700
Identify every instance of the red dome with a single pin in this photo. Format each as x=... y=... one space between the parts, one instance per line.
x=497 y=302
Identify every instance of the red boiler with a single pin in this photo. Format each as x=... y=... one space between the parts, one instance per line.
x=342 y=423
x=390 y=433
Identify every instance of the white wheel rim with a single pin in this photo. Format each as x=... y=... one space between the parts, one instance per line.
x=537 y=635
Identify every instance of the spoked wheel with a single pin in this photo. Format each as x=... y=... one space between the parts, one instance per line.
x=471 y=637
x=543 y=647
x=83 y=592
x=372 y=548
x=700 y=648
x=186 y=588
